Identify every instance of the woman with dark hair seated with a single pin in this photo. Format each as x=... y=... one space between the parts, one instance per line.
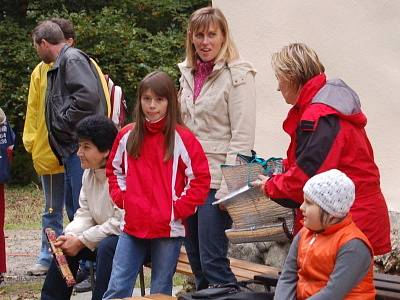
x=93 y=233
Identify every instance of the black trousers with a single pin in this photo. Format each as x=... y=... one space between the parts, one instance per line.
x=55 y=288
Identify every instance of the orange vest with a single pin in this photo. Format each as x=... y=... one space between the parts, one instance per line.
x=316 y=259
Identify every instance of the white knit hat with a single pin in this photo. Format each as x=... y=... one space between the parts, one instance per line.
x=332 y=190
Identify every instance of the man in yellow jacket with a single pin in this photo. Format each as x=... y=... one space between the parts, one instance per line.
x=46 y=164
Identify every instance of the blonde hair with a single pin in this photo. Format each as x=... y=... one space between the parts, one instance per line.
x=200 y=20
x=296 y=63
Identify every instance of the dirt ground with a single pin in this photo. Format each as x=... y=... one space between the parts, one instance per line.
x=22 y=248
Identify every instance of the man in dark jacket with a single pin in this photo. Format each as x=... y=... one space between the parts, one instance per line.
x=74 y=91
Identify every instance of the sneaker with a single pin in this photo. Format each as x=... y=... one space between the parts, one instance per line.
x=37 y=270
x=83 y=286
x=81 y=275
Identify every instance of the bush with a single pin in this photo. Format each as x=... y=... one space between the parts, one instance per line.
x=128 y=38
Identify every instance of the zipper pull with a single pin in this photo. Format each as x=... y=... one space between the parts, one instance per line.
x=313 y=239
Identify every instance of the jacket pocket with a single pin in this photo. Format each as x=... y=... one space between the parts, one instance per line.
x=215 y=147
x=216 y=152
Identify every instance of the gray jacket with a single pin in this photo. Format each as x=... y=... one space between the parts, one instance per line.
x=74 y=91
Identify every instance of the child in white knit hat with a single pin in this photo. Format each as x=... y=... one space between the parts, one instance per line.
x=330 y=258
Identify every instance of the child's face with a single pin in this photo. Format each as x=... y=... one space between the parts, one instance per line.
x=312 y=215
x=154 y=107
x=90 y=156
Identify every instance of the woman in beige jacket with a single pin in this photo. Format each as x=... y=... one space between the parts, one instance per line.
x=217 y=96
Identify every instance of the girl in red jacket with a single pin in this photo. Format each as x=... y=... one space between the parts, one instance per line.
x=330 y=258
x=157 y=171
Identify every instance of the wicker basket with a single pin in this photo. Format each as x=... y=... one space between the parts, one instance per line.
x=255 y=217
x=237 y=176
x=272 y=232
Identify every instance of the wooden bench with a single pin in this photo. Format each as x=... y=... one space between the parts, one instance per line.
x=387 y=286
x=154 y=297
x=243 y=270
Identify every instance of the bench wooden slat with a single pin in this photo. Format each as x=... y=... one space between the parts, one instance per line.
x=243 y=273
x=154 y=297
x=386 y=295
x=387 y=286
x=160 y=297
x=243 y=270
x=262 y=269
x=387 y=277
x=183 y=267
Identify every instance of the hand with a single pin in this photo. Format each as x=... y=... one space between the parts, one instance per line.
x=59 y=241
x=260 y=183
x=70 y=245
x=222 y=207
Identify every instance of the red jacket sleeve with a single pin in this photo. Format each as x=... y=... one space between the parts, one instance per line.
x=316 y=151
x=197 y=175
x=116 y=167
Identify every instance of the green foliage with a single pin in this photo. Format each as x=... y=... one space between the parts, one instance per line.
x=15 y=9
x=17 y=59
x=128 y=38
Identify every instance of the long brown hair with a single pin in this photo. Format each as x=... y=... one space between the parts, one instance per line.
x=163 y=86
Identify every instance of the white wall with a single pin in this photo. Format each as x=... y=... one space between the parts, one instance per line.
x=358 y=41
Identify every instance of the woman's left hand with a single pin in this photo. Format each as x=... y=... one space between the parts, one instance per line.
x=260 y=183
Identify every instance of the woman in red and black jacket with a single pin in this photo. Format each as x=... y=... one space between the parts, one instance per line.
x=327 y=130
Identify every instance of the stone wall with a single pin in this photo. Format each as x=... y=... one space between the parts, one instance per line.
x=390 y=263
x=266 y=253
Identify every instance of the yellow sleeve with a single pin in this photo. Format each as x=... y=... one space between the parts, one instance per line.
x=32 y=109
x=105 y=87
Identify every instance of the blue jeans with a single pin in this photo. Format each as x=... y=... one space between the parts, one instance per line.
x=54 y=286
x=53 y=189
x=207 y=245
x=131 y=254
x=72 y=184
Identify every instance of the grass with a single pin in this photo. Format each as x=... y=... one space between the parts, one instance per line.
x=178 y=280
x=30 y=290
x=24 y=207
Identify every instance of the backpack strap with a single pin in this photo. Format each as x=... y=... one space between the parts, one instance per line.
x=118 y=103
